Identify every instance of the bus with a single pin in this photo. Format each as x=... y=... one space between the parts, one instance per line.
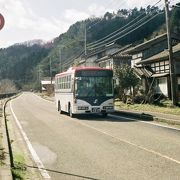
x=85 y=90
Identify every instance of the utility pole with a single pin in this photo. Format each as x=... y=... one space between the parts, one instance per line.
x=60 y=57
x=39 y=79
x=85 y=41
x=171 y=60
x=50 y=69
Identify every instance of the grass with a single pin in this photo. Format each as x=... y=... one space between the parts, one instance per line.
x=148 y=107
x=19 y=170
x=2 y=152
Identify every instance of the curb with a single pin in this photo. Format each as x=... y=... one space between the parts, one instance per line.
x=168 y=121
x=5 y=172
x=148 y=117
x=143 y=116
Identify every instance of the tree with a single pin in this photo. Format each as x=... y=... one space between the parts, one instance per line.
x=7 y=86
x=175 y=19
x=126 y=80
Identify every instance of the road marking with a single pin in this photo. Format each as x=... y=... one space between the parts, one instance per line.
x=37 y=160
x=130 y=143
x=152 y=123
x=43 y=98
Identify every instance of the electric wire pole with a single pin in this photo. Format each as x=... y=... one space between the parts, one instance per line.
x=85 y=41
x=171 y=60
x=50 y=69
x=60 y=57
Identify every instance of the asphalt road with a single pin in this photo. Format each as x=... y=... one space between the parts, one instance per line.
x=92 y=147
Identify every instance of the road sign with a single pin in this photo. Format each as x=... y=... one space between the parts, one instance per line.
x=1 y=21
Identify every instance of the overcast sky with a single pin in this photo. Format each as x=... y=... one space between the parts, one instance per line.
x=47 y=19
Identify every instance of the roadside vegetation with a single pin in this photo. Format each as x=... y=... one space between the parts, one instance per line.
x=165 y=107
x=2 y=153
x=19 y=169
x=130 y=95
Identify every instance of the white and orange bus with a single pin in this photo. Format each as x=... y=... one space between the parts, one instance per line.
x=82 y=90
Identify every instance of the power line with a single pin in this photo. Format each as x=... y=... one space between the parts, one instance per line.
x=122 y=29
x=116 y=30
x=116 y=34
x=129 y=31
x=131 y=28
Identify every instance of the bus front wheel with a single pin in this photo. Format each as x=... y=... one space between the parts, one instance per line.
x=70 y=112
x=104 y=114
x=59 y=108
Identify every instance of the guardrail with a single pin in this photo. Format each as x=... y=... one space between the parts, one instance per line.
x=6 y=95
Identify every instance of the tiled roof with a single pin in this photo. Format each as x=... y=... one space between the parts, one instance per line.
x=162 y=55
x=124 y=56
x=149 y=43
x=117 y=54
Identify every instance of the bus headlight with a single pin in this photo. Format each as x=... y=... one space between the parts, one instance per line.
x=108 y=107
x=83 y=107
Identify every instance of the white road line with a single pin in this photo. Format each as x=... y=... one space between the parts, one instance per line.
x=152 y=123
x=37 y=160
x=43 y=98
x=130 y=143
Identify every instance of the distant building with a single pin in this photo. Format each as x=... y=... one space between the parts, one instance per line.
x=115 y=58
x=91 y=58
x=47 y=84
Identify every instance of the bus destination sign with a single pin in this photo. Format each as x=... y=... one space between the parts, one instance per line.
x=95 y=73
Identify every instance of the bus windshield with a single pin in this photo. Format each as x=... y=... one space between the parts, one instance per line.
x=93 y=86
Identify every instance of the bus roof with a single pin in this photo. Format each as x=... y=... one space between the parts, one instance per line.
x=74 y=69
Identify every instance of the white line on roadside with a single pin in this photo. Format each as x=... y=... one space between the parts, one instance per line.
x=152 y=123
x=130 y=143
x=43 y=98
x=37 y=160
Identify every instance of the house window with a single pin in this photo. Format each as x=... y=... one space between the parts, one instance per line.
x=157 y=69
x=157 y=64
x=167 y=68
x=139 y=55
x=166 y=62
x=160 y=67
x=152 y=65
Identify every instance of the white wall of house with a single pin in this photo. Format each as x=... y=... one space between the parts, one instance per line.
x=161 y=86
x=135 y=59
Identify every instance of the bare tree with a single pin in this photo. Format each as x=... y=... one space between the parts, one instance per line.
x=7 y=86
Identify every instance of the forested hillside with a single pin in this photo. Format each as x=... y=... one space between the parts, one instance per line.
x=25 y=64
x=17 y=63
